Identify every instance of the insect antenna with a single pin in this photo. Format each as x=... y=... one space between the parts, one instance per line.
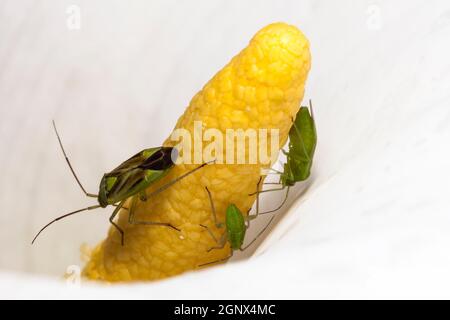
x=281 y=205
x=62 y=217
x=70 y=165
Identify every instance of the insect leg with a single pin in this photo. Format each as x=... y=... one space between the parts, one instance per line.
x=70 y=165
x=281 y=205
x=217 y=261
x=116 y=205
x=210 y=232
x=258 y=235
x=275 y=171
x=170 y=183
x=144 y=197
x=132 y=220
x=251 y=217
x=220 y=243
x=213 y=209
x=111 y=220
x=62 y=217
x=270 y=190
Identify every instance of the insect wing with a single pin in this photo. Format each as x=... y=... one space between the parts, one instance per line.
x=161 y=159
x=134 y=162
x=136 y=174
x=124 y=184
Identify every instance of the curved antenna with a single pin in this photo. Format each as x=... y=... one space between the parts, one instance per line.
x=62 y=217
x=70 y=166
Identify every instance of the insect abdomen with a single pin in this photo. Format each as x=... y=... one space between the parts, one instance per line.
x=302 y=144
x=235 y=227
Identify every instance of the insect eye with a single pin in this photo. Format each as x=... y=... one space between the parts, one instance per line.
x=110 y=182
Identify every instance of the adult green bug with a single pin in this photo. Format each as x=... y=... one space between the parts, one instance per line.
x=299 y=157
x=236 y=226
x=129 y=179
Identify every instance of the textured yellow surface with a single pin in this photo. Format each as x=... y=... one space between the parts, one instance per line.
x=261 y=87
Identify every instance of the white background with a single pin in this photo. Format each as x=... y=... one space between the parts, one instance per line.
x=375 y=220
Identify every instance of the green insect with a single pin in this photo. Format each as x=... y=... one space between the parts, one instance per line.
x=236 y=226
x=299 y=157
x=129 y=179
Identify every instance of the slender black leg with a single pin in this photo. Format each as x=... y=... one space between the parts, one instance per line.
x=111 y=220
x=217 y=261
x=270 y=190
x=143 y=196
x=281 y=205
x=210 y=232
x=220 y=242
x=132 y=220
x=258 y=235
x=251 y=217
